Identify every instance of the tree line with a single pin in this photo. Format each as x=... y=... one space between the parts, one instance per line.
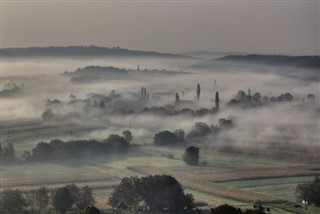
x=39 y=200
x=243 y=99
x=199 y=132
x=58 y=149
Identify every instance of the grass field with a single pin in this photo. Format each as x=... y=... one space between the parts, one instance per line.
x=239 y=180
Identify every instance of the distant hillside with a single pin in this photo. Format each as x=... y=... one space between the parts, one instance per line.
x=97 y=73
x=277 y=60
x=79 y=51
x=309 y=65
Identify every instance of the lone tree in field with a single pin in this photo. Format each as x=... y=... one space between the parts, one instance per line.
x=191 y=155
x=154 y=194
x=61 y=199
x=198 y=91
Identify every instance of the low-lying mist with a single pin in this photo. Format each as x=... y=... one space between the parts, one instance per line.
x=295 y=122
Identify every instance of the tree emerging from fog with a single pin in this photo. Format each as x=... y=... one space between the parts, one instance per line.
x=191 y=155
x=198 y=91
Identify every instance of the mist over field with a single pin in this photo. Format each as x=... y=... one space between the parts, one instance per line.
x=67 y=115
x=42 y=79
x=159 y=107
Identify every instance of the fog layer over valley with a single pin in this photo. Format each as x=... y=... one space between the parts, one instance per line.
x=45 y=79
x=96 y=120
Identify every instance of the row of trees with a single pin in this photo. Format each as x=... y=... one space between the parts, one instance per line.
x=61 y=199
x=153 y=194
x=244 y=99
x=199 y=132
x=58 y=149
x=56 y=110
x=50 y=115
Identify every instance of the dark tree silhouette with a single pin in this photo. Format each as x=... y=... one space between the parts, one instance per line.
x=177 y=100
x=127 y=194
x=309 y=192
x=198 y=91
x=7 y=152
x=127 y=135
x=12 y=201
x=256 y=97
x=168 y=138
x=181 y=136
x=191 y=155
x=102 y=105
x=217 y=101
x=47 y=115
x=199 y=131
x=227 y=209
x=42 y=198
x=240 y=96
x=42 y=151
x=224 y=123
x=288 y=97
x=156 y=193
x=61 y=199
x=311 y=97
x=84 y=198
x=92 y=210
x=141 y=92
x=117 y=143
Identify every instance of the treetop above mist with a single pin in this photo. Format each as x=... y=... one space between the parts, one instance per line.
x=79 y=51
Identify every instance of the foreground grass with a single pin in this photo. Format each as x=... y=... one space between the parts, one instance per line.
x=103 y=173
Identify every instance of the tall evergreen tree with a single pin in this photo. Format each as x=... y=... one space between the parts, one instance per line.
x=198 y=91
x=217 y=101
x=177 y=98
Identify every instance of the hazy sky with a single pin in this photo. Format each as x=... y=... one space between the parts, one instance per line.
x=289 y=27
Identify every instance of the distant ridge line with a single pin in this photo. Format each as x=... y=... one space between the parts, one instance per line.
x=80 y=51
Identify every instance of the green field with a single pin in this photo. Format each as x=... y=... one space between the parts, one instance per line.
x=278 y=178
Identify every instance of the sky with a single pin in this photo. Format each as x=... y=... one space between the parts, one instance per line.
x=254 y=26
